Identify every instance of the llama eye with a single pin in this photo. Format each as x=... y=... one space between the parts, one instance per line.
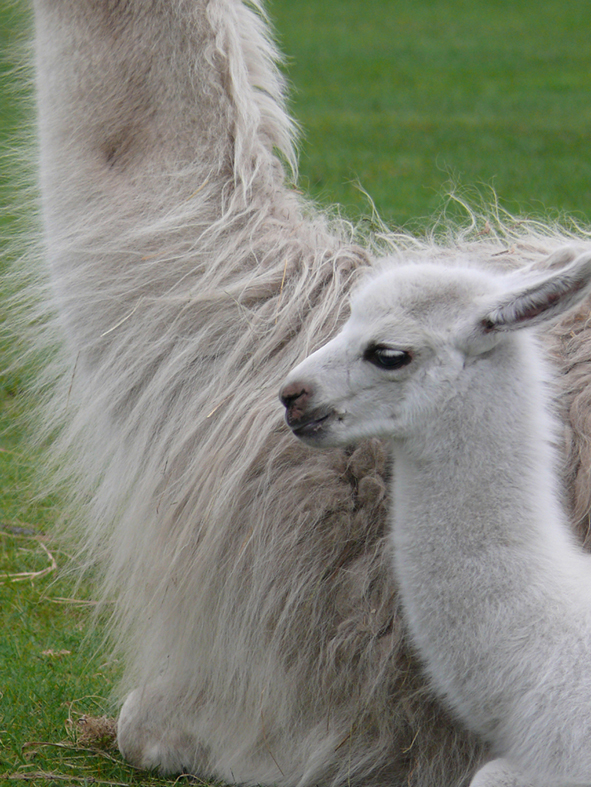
x=387 y=357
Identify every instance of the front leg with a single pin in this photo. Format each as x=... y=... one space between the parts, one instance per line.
x=500 y=773
x=150 y=737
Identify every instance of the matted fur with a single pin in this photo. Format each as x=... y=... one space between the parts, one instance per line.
x=254 y=601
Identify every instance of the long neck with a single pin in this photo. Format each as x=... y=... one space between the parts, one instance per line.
x=481 y=548
x=153 y=94
x=157 y=121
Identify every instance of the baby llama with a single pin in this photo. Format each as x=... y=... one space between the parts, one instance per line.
x=443 y=362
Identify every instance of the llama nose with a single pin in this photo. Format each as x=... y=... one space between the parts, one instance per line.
x=295 y=398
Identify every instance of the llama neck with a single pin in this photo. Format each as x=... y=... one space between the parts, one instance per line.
x=481 y=548
x=157 y=127
x=133 y=123
x=484 y=467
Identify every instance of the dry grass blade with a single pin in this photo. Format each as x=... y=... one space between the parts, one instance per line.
x=22 y=576
x=61 y=777
x=97 y=751
x=79 y=602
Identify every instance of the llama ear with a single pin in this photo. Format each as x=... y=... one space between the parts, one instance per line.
x=543 y=300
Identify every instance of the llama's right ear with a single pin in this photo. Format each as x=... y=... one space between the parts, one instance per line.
x=528 y=303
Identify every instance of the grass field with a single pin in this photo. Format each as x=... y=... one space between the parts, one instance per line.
x=403 y=99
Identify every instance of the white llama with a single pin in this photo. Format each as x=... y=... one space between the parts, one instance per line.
x=255 y=606
x=496 y=593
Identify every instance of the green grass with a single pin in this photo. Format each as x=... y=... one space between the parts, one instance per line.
x=404 y=97
x=401 y=98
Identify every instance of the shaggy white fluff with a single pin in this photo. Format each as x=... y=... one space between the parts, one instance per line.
x=495 y=592
x=254 y=602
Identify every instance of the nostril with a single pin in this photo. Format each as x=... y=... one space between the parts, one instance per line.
x=295 y=398
x=294 y=392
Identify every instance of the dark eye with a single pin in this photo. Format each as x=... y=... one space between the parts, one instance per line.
x=386 y=357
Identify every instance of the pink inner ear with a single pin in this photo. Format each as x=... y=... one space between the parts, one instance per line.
x=536 y=309
x=524 y=313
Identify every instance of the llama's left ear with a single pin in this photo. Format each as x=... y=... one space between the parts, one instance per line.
x=543 y=300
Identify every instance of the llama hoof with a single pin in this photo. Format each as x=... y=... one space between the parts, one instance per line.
x=148 y=742
x=499 y=773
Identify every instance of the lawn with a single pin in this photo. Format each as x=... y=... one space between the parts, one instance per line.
x=404 y=100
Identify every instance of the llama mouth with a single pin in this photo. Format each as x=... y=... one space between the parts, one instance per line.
x=312 y=427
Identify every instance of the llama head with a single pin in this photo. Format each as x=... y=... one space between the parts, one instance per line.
x=418 y=336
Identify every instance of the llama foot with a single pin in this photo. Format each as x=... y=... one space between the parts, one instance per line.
x=500 y=773
x=148 y=740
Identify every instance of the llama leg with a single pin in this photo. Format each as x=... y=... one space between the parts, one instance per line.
x=141 y=740
x=147 y=741
x=500 y=773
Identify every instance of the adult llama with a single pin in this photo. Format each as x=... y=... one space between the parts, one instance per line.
x=254 y=601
